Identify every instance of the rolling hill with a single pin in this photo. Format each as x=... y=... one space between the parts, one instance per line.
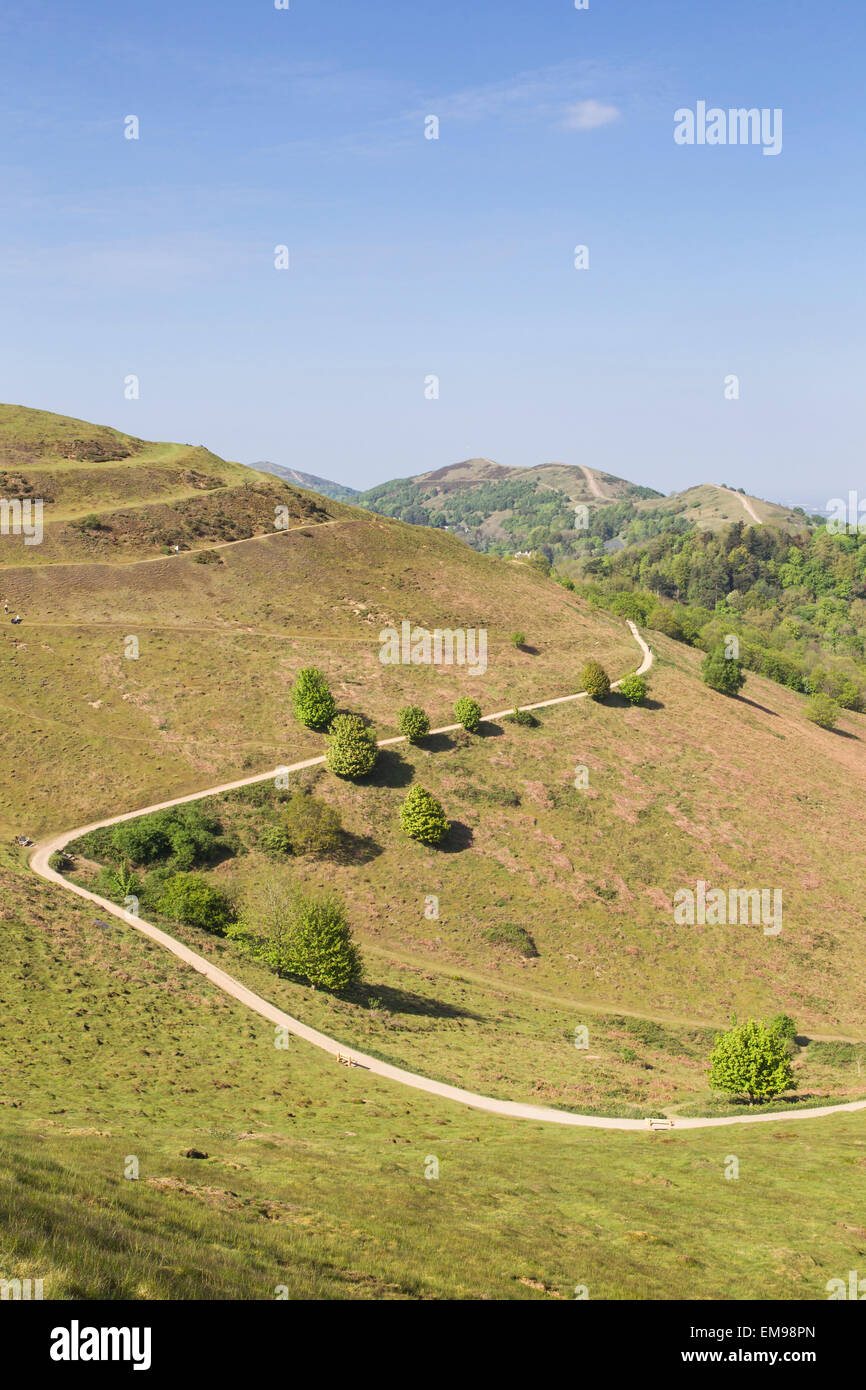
x=560 y=509
x=140 y=672
x=308 y=481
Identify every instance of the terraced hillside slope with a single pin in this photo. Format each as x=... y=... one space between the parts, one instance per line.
x=136 y=673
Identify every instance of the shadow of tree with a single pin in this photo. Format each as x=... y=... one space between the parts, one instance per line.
x=356 y=849
x=390 y=771
x=404 y=1001
x=488 y=730
x=437 y=743
x=459 y=837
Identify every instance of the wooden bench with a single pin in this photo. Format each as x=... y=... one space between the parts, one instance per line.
x=660 y=1122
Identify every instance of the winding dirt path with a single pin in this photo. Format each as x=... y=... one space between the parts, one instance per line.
x=515 y=1109
x=744 y=500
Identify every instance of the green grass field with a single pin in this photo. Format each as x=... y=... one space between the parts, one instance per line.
x=315 y=1175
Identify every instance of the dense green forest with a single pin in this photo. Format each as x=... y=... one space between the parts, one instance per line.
x=796 y=603
x=514 y=514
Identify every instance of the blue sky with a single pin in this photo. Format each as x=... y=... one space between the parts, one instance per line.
x=452 y=257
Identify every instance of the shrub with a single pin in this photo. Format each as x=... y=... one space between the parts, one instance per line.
x=524 y=717
x=751 y=1059
x=311 y=825
x=595 y=680
x=722 y=673
x=468 y=713
x=185 y=833
x=118 y=882
x=633 y=688
x=513 y=936
x=413 y=723
x=60 y=861
x=518 y=639
x=661 y=619
x=312 y=702
x=352 y=750
x=207 y=557
x=422 y=817
x=784 y=1024
x=823 y=711
x=274 y=840
x=321 y=949
x=188 y=898
x=140 y=841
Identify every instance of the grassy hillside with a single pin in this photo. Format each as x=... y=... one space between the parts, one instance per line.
x=220 y=642
x=591 y=875
x=314 y=1176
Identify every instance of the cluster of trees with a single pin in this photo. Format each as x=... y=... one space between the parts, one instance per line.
x=533 y=517
x=796 y=603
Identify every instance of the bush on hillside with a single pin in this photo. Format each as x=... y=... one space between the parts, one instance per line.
x=60 y=861
x=352 y=750
x=524 y=717
x=311 y=825
x=312 y=702
x=722 y=673
x=468 y=713
x=633 y=688
x=662 y=620
x=595 y=680
x=823 y=711
x=274 y=840
x=512 y=936
x=422 y=817
x=518 y=639
x=321 y=949
x=188 y=898
x=413 y=723
x=751 y=1059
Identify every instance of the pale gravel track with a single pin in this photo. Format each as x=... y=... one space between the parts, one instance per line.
x=514 y=1109
x=744 y=500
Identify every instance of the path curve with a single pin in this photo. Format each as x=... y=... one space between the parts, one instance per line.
x=515 y=1109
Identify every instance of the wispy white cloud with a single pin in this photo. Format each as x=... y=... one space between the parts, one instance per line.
x=589 y=115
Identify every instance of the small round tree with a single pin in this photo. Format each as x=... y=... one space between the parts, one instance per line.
x=751 y=1059
x=722 y=673
x=822 y=710
x=422 y=817
x=311 y=826
x=413 y=723
x=468 y=712
x=633 y=688
x=312 y=702
x=518 y=639
x=188 y=898
x=320 y=946
x=352 y=748
x=595 y=680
